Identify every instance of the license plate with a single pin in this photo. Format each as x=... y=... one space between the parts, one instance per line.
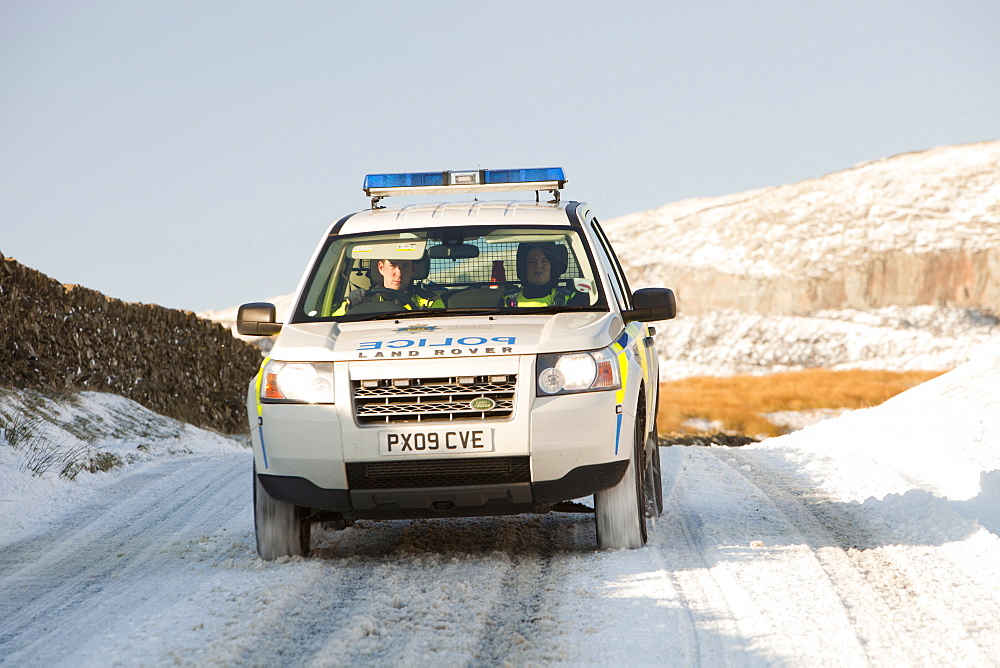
x=440 y=442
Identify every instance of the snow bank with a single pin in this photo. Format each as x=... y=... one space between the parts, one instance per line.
x=41 y=436
x=920 y=462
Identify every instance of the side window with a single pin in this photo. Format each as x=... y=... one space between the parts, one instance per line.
x=618 y=282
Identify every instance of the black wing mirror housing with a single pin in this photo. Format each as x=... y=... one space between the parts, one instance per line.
x=257 y=319
x=652 y=304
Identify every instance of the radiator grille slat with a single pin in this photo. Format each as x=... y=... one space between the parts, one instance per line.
x=438 y=473
x=410 y=400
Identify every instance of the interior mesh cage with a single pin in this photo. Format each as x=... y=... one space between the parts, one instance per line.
x=483 y=268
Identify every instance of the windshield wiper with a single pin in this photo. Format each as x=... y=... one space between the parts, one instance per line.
x=386 y=315
x=468 y=310
x=440 y=313
x=474 y=310
x=546 y=310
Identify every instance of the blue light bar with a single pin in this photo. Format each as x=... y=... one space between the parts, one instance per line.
x=417 y=180
x=479 y=180
x=524 y=175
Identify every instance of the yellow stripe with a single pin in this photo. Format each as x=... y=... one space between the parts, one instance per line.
x=640 y=340
x=623 y=368
x=260 y=378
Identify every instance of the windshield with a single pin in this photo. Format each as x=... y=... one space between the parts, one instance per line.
x=451 y=271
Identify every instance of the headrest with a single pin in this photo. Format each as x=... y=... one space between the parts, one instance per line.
x=557 y=254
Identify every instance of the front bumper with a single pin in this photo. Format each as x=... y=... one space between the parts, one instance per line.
x=562 y=447
x=452 y=501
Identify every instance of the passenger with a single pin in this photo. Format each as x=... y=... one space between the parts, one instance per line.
x=396 y=286
x=540 y=265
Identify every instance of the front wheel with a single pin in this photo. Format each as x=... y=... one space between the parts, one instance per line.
x=620 y=511
x=654 y=480
x=281 y=531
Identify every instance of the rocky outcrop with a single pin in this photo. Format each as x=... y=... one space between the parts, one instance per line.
x=920 y=228
x=62 y=337
x=893 y=278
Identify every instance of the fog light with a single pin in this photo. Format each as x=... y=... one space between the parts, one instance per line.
x=551 y=380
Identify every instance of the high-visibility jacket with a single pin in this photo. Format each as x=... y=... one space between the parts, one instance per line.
x=419 y=299
x=556 y=297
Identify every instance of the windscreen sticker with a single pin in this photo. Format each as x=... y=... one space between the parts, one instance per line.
x=437 y=346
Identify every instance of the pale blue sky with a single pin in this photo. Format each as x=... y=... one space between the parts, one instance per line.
x=191 y=154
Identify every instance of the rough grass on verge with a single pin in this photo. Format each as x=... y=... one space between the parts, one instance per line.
x=37 y=453
x=23 y=428
x=739 y=402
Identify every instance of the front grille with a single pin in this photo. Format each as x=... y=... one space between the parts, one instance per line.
x=393 y=401
x=438 y=473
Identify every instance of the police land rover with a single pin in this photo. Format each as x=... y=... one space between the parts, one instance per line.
x=459 y=359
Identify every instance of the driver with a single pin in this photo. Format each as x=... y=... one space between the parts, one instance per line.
x=396 y=287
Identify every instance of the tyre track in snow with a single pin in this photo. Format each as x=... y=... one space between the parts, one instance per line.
x=313 y=607
x=678 y=554
x=889 y=608
x=661 y=605
x=520 y=626
x=719 y=598
x=55 y=585
x=457 y=591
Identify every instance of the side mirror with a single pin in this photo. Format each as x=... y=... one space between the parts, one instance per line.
x=651 y=304
x=257 y=319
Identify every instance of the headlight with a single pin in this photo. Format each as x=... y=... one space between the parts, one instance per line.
x=298 y=382
x=578 y=372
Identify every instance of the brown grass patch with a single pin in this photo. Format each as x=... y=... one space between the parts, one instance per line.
x=738 y=401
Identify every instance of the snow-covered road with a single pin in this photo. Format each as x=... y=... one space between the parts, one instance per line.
x=867 y=539
x=744 y=568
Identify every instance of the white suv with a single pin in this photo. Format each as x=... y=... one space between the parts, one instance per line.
x=458 y=359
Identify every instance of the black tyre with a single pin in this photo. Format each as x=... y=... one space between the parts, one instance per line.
x=280 y=529
x=620 y=511
x=654 y=479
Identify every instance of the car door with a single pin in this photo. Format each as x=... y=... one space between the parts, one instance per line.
x=643 y=337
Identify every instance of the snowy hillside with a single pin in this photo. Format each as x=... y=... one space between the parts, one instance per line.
x=891 y=264
x=914 y=229
x=869 y=539
x=915 y=338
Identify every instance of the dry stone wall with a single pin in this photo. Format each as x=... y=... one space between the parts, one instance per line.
x=62 y=337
